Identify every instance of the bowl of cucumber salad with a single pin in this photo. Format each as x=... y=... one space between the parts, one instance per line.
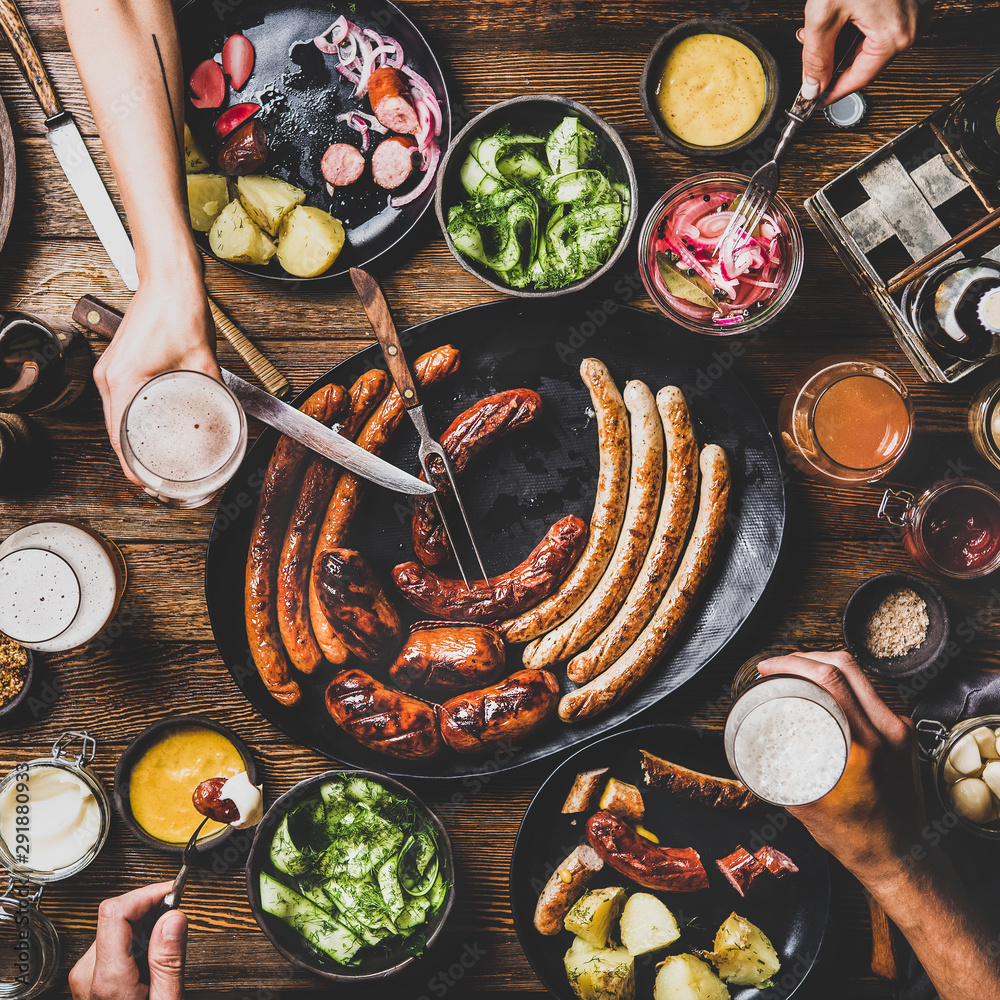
x=536 y=196
x=351 y=876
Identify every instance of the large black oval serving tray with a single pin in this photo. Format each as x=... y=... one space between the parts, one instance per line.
x=516 y=490
x=791 y=911
x=301 y=94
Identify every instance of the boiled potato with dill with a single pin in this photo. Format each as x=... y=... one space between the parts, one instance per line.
x=195 y=160
x=599 y=973
x=234 y=236
x=592 y=915
x=647 y=925
x=268 y=200
x=208 y=195
x=684 y=977
x=309 y=241
x=743 y=954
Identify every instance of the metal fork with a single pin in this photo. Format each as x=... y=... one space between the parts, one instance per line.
x=377 y=310
x=763 y=186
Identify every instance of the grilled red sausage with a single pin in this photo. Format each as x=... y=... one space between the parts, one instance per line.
x=479 y=426
x=741 y=868
x=207 y=799
x=503 y=713
x=392 y=103
x=445 y=658
x=672 y=869
x=342 y=164
x=502 y=596
x=245 y=150
x=384 y=720
x=392 y=161
x=359 y=613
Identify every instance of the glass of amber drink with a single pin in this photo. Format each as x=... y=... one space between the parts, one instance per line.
x=846 y=420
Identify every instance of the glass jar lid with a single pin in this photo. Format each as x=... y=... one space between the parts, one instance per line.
x=54 y=812
x=29 y=945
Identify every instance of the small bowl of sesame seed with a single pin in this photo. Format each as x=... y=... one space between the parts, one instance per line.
x=895 y=624
x=17 y=665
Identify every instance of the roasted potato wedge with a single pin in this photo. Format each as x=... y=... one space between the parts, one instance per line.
x=195 y=161
x=592 y=915
x=208 y=195
x=743 y=954
x=600 y=973
x=309 y=241
x=647 y=925
x=684 y=977
x=268 y=200
x=234 y=236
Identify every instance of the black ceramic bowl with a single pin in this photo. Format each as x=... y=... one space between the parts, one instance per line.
x=654 y=69
x=10 y=707
x=862 y=604
x=534 y=113
x=209 y=846
x=288 y=941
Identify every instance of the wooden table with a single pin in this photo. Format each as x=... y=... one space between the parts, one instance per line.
x=164 y=659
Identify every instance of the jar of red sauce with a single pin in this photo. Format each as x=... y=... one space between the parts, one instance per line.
x=953 y=528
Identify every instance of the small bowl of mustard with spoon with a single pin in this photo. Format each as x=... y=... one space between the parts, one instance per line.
x=709 y=88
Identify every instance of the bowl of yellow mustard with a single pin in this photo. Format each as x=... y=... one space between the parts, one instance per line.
x=709 y=88
x=157 y=774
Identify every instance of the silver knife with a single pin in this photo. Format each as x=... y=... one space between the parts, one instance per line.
x=68 y=145
x=320 y=438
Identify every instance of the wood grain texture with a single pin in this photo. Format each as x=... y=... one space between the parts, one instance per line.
x=158 y=657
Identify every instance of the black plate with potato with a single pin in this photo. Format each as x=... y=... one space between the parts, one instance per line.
x=301 y=93
x=791 y=911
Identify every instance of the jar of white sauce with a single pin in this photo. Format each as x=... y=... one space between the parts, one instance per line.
x=54 y=813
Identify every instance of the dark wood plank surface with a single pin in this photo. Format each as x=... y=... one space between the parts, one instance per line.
x=163 y=660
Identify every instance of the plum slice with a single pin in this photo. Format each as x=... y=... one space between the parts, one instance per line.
x=237 y=60
x=233 y=118
x=208 y=85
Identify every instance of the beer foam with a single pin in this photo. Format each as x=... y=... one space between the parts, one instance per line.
x=790 y=751
x=93 y=567
x=39 y=595
x=184 y=427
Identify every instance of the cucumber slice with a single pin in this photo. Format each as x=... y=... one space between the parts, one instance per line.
x=388 y=883
x=522 y=166
x=589 y=186
x=285 y=856
x=465 y=234
x=570 y=146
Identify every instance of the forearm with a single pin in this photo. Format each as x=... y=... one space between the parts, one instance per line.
x=142 y=130
x=956 y=947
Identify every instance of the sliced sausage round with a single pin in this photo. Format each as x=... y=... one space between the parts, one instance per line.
x=392 y=103
x=342 y=164
x=392 y=161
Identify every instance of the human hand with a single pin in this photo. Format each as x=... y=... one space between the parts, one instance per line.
x=167 y=326
x=889 y=27
x=873 y=817
x=108 y=972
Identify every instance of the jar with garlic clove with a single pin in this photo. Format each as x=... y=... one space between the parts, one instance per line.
x=966 y=770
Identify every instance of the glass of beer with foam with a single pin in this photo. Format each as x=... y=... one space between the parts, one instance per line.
x=183 y=436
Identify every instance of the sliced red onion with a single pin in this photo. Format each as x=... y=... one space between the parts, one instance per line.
x=350 y=74
x=397 y=60
x=428 y=92
x=347 y=53
x=425 y=182
x=338 y=32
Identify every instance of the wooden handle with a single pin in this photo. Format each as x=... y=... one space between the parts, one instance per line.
x=266 y=373
x=884 y=963
x=94 y=315
x=377 y=310
x=13 y=26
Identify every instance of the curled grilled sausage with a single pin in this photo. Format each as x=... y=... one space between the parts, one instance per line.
x=605 y=522
x=245 y=150
x=501 y=714
x=672 y=869
x=392 y=103
x=207 y=799
x=445 y=658
x=603 y=691
x=356 y=606
x=270 y=522
x=741 y=868
x=645 y=487
x=676 y=510
x=386 y=721
x=721 y=793
x=300 y=539
x=565 y=887
x=509 y=593
x=479 y=426
x=428 y=369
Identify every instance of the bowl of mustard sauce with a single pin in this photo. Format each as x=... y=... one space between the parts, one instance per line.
x=159 y=771
x=709 y=88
